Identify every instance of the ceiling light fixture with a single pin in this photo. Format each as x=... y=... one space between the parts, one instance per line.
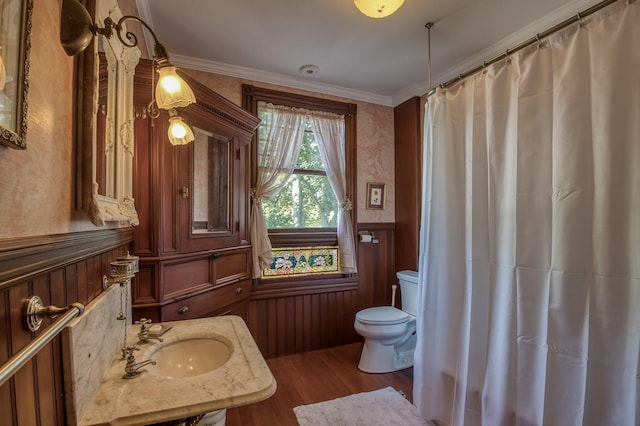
x=378 y=8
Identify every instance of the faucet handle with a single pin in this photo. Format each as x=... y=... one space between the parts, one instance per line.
x=127 y=351
x=143 y=321
x=144 y=331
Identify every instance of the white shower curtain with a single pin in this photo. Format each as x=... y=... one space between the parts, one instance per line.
x=530 y=240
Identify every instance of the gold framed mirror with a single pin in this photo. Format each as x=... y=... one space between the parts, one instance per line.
x=15 y=46
x=105 y=124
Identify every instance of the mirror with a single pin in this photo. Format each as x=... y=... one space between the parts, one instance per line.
x=105 y=136
x=15 y=34
x=102 y=157
x=210 y=182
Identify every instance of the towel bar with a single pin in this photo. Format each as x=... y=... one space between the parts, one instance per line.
x=33 y=312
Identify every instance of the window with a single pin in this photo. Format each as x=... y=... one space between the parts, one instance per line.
x=308 y=200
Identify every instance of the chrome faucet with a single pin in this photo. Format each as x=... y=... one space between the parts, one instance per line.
x=132 y=368
x=143 y=335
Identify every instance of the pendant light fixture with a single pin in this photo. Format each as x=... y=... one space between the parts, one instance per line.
x=378 y=8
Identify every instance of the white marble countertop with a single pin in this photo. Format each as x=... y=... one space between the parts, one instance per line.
x=244 y=379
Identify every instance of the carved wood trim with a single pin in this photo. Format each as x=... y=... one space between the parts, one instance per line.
x=207 y=99
x=27 y=257
x=251 y=95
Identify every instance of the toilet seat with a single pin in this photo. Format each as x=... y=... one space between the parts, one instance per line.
x=382 y=315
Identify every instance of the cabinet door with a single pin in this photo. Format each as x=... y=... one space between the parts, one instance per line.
x=211 y=188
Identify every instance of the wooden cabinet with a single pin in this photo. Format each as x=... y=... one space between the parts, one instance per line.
x=192 y=202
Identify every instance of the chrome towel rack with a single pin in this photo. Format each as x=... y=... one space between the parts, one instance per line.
x=33 y=313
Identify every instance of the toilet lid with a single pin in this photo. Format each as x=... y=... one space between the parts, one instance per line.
x=382 y=315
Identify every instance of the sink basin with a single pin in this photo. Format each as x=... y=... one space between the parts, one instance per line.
x=190 y=357
x=203 y=365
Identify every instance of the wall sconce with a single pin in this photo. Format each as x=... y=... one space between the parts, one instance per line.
x=179 y=132
x=77 y=30
x=378 y=8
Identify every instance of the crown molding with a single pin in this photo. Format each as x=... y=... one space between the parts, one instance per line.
x=415 y=89
x=277 y=79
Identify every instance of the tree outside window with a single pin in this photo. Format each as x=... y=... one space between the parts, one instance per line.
x=306 y=200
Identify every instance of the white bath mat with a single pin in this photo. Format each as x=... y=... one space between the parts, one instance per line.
x=382 y=407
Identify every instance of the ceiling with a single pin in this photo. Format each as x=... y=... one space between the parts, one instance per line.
x=383 y=61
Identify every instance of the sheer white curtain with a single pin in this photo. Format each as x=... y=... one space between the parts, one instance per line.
x=283 y=128
x=328 y=130
x=530 y=240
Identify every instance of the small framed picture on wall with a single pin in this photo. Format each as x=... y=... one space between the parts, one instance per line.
x=375 y=195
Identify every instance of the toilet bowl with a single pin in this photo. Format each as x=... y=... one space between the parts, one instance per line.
x=390 y=333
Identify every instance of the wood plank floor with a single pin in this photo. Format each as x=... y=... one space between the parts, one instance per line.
x=313 y=377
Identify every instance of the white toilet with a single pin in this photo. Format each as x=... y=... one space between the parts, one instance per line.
x=390 y=333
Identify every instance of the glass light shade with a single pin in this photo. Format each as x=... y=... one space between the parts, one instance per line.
x=378 y=8
x=172 y=91
x=179 y=132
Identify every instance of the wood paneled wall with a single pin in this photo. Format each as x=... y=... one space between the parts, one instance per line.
x=408 y=174
x=376 y=265
x=60 y=269
x=298 y=316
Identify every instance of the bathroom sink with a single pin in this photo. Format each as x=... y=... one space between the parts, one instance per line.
x=202 y=365
x=190 y=357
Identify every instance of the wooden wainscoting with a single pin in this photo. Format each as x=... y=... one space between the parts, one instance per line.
x=376 y=265
x=295 y=316
x=60 y=269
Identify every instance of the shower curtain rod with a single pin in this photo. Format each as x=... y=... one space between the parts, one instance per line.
x=575 y=18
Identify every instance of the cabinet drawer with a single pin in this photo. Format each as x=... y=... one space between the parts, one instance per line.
x=232 y=266
x=205 y=304
x=232 y=293
x=197 y=306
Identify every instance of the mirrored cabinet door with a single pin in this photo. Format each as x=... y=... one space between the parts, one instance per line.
x=211 y=174
x=212 y=190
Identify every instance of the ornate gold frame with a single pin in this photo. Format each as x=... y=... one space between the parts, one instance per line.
x=15 y=137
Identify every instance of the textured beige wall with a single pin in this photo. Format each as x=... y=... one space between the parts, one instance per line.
x=375 y=140
x=38 y=184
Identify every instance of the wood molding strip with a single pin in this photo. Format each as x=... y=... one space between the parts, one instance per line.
x=288 y=289
x=24 y=258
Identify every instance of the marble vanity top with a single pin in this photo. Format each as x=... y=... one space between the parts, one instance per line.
x=245 y=378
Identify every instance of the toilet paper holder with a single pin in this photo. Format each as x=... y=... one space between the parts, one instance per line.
x=366 y=237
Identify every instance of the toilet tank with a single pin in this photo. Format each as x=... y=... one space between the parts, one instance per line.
x=408 y=290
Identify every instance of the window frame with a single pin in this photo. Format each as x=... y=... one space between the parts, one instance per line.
x=251 y=95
